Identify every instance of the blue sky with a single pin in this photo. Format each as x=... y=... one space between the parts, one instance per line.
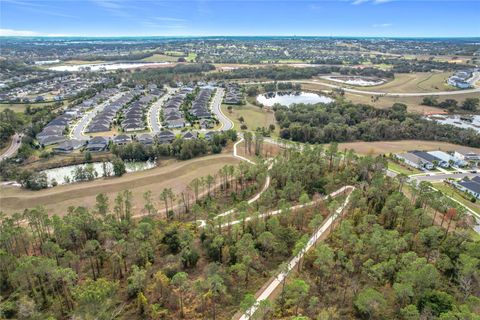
x=398 y=18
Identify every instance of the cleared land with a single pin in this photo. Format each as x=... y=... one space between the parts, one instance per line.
x=57 y=200
x=254 y=117
x=385 y=147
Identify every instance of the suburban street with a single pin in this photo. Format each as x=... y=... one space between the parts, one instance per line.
x=77 y=130
x=153 y=114
x=227 y=124
x=378 y=93
x=13 y=148
x=437 y=177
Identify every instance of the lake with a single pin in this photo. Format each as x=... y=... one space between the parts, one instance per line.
x=288 y=98
x=65 y=175
x=106 y=66
x=455 y=120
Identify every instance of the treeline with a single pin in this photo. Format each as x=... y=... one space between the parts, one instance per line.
x=182 y=149
x=469 y=104
x=10 y=122
x=291 y=73
x=343 y=121
x=161 y=76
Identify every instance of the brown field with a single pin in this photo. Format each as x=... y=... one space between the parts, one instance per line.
x=385 y=147
x=57 y=200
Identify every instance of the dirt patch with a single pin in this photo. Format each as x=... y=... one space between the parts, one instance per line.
x=57 y=200
x=385 y=147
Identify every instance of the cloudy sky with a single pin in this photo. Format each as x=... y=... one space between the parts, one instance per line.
x=398 y=18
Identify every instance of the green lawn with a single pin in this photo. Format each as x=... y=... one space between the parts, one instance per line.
x=402 y=169
x=160 y=58
x=457 y=195
x=253 y=116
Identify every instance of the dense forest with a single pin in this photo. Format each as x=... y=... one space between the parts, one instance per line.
x=343 y=121
x=291 y=73
x=111 y=261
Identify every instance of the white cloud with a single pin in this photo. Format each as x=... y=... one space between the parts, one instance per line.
x=28 y=33
x=382 y=25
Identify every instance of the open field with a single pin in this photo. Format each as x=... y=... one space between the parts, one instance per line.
x=413 y=103
x=457 y=195
x=20 y=107
x=385 y=147
x=57 y=200
x=414 y=82
x=160 y=58
x=254 y=116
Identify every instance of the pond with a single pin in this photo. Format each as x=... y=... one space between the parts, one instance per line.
x=356 y=81
x=106 y=66
x=288 y=98
x=67 y=174
x=461 y=121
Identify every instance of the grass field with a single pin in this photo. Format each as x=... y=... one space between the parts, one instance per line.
x=457 y=195
x=20 y=107
x=414 y=82
x=160 y=58
x=386 y=147
x=254 y=116
x=402 y=169
x=413 y=103
x=57 y=200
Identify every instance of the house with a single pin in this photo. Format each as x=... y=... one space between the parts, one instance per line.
x=410 y=159
x=69 y=146
x=209 y=135
x=122 y=139
x=178 y=123
x=429 y=161
x=471 y=186
x=448 y=158
x=466 y=155
x=189 y=135
x=97 y=144
x=51 y=139
x=133 y=126
x=165 y=136
x=145 y=139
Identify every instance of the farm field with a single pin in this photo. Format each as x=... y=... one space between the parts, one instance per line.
x=386 y=147
x=254 y=116
x=57 y=200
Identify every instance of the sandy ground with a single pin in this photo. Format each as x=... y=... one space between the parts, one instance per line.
x=385 y=147
x=57 y=200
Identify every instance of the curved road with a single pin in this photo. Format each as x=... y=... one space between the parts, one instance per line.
x=378 y=93
x=13 y=148
x=153 y=113
x=227 y=124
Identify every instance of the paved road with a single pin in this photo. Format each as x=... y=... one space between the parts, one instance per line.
x=227 y=124
x=279 y=278
x=77 y=130
x=13 y=148
x=378 y=93
x=153 y=114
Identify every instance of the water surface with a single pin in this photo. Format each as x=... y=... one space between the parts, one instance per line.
x=288 y=98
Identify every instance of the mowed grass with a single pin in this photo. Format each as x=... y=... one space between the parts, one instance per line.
x=414 y=82
x=254 y=117
x=57 y=200
x=402 y=168
x=20 y=107
x=160 y=58
x=387 y=147
x=414 y=104
x=457 y=195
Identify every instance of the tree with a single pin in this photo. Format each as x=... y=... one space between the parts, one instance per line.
x=136 y=281
x=296 y=292
x=102 y=204
x=148 y=206
x=369 y=302
x=118 y=167
x=471 y=104
x=247 y=302
x=95 y=299
x=180 y=282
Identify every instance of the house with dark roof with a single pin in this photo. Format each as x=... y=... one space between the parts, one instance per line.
x=189 y=135
x=49 y=140
x=69 y=146
x=122 y=139
x=165 y=136
x=145 y=139
x=97 y=144
x=471 y=186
